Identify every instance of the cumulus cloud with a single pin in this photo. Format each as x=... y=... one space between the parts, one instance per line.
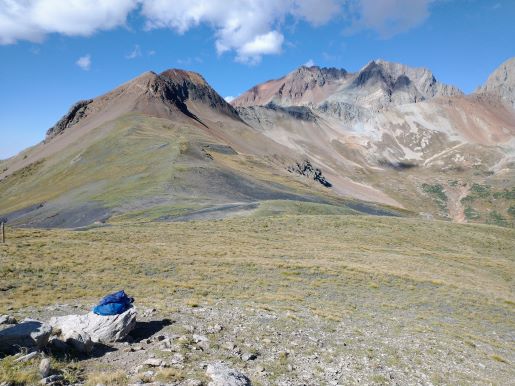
x=229 y=98
x=33 y=19
x=266 y=44
x=388 y=17
x=309 y=63
x=84 y=62
x=249 y=28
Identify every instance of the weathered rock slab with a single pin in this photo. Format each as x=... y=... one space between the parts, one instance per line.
x=30 y=334
x=223 y=375
x=102 y=329
x=79 y=340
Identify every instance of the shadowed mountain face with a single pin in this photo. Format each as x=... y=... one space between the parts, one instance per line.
x=167 y=147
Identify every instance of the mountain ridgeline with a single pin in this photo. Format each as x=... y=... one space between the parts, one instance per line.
x=386 y=140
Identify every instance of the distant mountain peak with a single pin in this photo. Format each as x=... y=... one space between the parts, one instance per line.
x=501 y=82
x=304 y=85
x=377 y=85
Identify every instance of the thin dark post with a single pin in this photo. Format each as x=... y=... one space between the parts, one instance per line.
x=2 y=228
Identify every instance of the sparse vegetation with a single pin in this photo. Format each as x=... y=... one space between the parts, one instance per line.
x=438 y=193
x=496 y=218
x=506 y=194
x=487 y=204
x=26 y=372
x=480 y=191
x=428 y=282
x=18 y=373
x=471 y=213
x=169 y=375
x=109 y=378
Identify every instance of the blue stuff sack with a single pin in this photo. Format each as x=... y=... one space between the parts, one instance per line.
x=113 y=304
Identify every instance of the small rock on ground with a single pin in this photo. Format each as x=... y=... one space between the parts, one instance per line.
x=223 y=375
x=44 y=367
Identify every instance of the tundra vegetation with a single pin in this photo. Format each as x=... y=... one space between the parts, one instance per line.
x=333 y=298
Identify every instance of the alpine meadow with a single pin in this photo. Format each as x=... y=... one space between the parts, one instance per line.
x=324 y=227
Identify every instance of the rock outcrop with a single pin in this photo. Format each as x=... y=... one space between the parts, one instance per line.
x=72 y=117
x=30 y=334
x=76 y=329
x=306 y=169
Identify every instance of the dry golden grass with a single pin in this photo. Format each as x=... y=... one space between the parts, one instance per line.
x=169 y=375
x=116 y=378
x=435 y=280
x=281 y=258
x=21 y=373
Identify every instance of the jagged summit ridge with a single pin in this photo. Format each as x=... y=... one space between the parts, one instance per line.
x=377 y=85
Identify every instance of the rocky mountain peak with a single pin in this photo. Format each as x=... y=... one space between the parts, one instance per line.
x=373 y=72
x=377 y=85
x=501 y=82
x=392 y=77
x=149 y=93
x=303 y=86
x=183 y=76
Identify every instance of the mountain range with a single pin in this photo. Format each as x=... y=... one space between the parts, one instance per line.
x=387 y=140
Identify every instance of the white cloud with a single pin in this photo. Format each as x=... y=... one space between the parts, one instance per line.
x=33 y=19
x=249 y=28
x=229 y=98
x=135 y=53
x=84 y=62
x=388 y=17
x=266 y=44
x=309 y=63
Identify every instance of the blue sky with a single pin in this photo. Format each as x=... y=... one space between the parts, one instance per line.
x=53 y=53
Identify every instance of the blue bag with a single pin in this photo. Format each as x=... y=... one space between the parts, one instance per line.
x=113 y=304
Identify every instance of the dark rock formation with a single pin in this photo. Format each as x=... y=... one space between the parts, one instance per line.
x=306 y=169
x=74 y=115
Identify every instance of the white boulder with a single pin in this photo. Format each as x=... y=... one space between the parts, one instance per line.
x=103 y=329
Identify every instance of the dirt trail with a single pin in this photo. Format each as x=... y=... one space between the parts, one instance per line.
x=454 y=205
